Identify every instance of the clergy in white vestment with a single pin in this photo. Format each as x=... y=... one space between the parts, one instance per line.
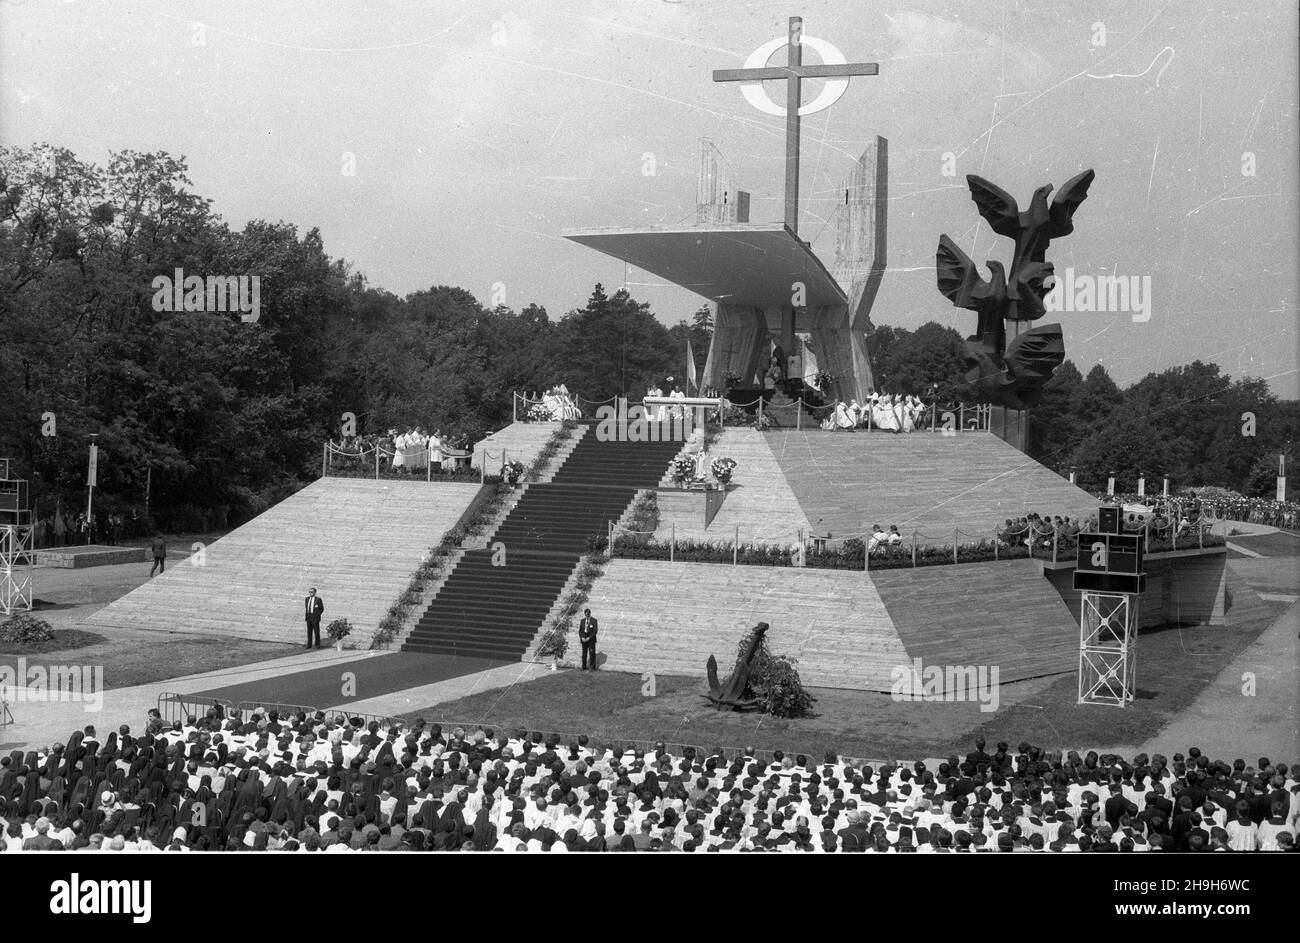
x=654 y=413
x=399 y=443
x=843 y=420
x=883 y=415
x=900 y=414
x=855 y=413
x=678 y=412
x=918 y=411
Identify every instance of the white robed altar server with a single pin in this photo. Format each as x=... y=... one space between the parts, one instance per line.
x=900 y=413
x=883 y=416
x=678 y=412
x=654 y=413
x=839 y=419
x=913 y=409
x=855 y=413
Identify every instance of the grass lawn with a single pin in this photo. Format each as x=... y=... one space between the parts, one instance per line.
x=1174 y=664
x=143 y=657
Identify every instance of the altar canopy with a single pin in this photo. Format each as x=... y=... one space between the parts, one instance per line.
x=767 y=282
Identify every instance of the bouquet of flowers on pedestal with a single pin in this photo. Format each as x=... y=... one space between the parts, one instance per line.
x=538 y=412
x=512 y=472
x=338 y=630
x=683 y=470
x=722 y=469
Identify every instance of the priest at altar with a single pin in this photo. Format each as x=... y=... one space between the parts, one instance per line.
x=654 y=413
x=677 y=413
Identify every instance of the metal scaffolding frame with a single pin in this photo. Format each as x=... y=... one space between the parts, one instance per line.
x=16 y=544
x=1108 y=629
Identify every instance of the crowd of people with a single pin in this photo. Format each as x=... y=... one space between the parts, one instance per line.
x=411 y=450
x=881 y=411
x=322 y=784
x=60 y=530
x=1282 y=514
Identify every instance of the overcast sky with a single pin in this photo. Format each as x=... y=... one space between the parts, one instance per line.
x=482 y=130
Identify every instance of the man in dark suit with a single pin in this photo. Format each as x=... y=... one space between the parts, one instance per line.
x=1117 y=805
x=979 y=759
x=314 y=607
x=587 y=636
x=159 y=550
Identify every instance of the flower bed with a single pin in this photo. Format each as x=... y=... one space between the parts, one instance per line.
x=849 y=555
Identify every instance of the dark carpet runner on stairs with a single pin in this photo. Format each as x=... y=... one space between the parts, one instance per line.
x=488 y=611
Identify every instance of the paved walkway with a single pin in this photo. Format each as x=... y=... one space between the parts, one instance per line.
x=428 y=695
x=40 y=723
x=1227 y=722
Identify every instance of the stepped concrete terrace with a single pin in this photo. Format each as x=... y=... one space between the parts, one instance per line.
x=357 y=541
x=519 y=441
x=1005 y=613
x=669 y=617
x=494 y=611
x=847 y=628
x=846 y=481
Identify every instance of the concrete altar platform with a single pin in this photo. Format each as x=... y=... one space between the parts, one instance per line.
x=75 y=558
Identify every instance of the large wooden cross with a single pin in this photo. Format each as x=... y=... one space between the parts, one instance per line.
x=793 y=72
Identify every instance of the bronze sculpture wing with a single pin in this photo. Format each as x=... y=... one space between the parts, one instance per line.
x=1067 y=200
x=957 y=275
x=997 y=206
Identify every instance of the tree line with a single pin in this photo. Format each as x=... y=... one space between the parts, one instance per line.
x=211 y=420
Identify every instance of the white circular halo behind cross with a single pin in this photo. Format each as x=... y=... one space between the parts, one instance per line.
x=831 y=92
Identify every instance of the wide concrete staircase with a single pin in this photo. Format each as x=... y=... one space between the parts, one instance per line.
x=669 y=617
x=494 y=611
x=356 y=541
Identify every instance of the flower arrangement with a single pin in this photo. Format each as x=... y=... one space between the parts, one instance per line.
x=823 y=381
x=339 y=629
x=683 y=469
x=538 y=413
x=512 y=472
x=722 y=469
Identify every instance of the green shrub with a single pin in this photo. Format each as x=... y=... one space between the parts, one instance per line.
x=25 y=629
x=774 y=680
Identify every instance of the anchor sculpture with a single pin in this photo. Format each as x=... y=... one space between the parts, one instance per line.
x=732 y=696
x=1011 y=375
